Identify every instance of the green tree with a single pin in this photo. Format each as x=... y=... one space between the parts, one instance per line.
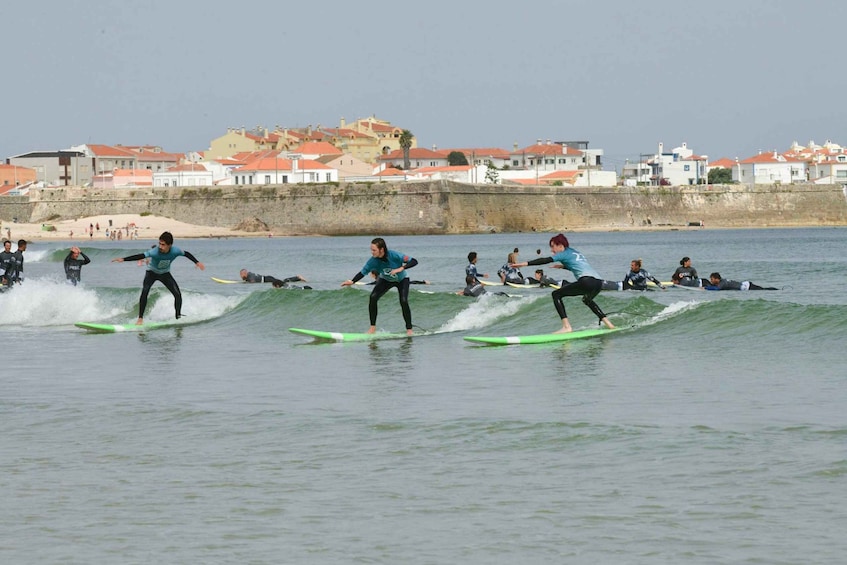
x=720 y=175
x=456 y=158
x=491 y=174
x=406 y=138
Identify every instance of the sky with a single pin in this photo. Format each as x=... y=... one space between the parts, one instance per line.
x=729 y=78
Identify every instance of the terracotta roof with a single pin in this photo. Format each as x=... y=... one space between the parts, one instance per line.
x=318 y=148
x=551 y=149
x=724 y=162
x=280 y=164
x=414 y=153
x=110 y=151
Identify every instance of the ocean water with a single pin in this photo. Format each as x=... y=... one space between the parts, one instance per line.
x=712 y=431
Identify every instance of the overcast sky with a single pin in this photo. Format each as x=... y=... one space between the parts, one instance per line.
x=729 y=77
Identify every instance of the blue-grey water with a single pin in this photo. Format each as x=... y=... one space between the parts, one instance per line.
x=714 y=431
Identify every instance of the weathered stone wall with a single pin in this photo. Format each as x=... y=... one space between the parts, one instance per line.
x=442 y=207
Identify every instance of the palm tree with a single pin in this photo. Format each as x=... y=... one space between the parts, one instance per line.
x=406 y=144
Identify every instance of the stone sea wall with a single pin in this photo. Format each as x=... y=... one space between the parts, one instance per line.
x=444 y=207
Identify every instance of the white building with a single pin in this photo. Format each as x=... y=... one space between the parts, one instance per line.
x=281 y=170
x=769 y=168
x=678 y=167
x=189 y=174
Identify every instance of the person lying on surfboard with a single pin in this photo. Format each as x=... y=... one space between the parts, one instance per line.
x=249 y=277
x=475 y=289
x=719 y=283
x=588 y=282
x=159 y=269
x=391 y=267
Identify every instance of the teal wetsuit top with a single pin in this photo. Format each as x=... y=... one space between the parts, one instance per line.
x=575 y=262
x=161 y=262
x=383 y=267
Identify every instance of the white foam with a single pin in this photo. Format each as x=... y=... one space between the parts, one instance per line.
x=486 y=310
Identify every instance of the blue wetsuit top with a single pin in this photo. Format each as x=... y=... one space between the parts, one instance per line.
x=383 y=266
x=161 y=262
x=575 y=262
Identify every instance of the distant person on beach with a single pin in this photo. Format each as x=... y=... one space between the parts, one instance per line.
x=471 y=268
x=73 y=265
x=686 y=275
x=588 y=282
x=637 y=278
x=390 y=267
x=249 y=277
x=159 y=269
x=716 y=282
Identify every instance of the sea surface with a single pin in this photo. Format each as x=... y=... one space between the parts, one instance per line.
x=713 y=430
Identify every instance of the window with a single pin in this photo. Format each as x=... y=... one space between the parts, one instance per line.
x=329 y=177
x=284 y=179
x=686 y=168
x=267 y=179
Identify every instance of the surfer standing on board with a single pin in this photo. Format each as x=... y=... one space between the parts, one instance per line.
x=390 y=267
x=588 y=282
x=159 y=269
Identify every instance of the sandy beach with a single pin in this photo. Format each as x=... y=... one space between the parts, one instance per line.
x=131 y=226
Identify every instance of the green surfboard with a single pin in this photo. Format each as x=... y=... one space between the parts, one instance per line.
x=540 y=338
x=115 y=328
x=339 y=336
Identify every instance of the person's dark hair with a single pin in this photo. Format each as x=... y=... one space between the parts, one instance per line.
x=637 y=262
x=683 y=260
x=167 y=237
x=380 y=244
x=715 y=275
x=471 y=256
x=560 y=239
x=21 y=242
x=469 y=279
x=516 y=250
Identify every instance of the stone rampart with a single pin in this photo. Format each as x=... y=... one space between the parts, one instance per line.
x=444 y=207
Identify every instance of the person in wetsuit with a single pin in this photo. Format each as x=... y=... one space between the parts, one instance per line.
x=390 y=267
x=588 y=282
x=15 y=266
x=686 y=275
x=5 y=261
x=471 y=269
x=249 y=277
x=159 y=269
x=716 y=282
x=73 y=265
x=637 y=278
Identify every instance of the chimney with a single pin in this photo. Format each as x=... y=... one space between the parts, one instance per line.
x=661 y=148
x=242 y=130
x=342 y=124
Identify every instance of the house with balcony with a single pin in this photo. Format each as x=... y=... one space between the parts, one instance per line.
x=678 y=167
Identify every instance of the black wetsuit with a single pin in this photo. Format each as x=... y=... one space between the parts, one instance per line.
x=73 y=267
x=277 y=283
x=15 y=268
x=165 y=278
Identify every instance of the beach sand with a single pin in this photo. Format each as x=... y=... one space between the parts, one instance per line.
x=147 y=228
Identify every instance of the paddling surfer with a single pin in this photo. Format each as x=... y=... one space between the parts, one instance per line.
x=159 y=269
